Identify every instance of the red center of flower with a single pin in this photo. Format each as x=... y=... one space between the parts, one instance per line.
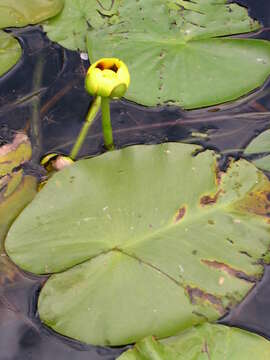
x=102 y=66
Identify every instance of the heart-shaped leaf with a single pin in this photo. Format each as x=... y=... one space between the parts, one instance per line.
x=17 y=13
x=176 y=55
x=10 y=52
x=173 y=47
x=205 y=342
x=145 y=240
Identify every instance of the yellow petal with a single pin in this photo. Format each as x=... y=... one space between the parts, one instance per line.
x=107 y=76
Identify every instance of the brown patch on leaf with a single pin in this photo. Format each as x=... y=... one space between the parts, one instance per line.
x=218 y=174
x=209 y=200
x=206 y=350
x=229 y=270
x=257 y=201
x=200 y=297
x=180 y=214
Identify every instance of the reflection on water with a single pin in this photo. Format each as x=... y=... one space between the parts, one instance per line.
x=59 y=97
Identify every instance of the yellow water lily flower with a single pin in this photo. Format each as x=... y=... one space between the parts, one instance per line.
x=107 y=77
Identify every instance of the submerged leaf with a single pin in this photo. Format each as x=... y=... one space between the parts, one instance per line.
x=205 y=342
x=146 y=240
x=10 y=52
x=16 y=191
x=14 y=154
x=17 y=13
x=176 y=55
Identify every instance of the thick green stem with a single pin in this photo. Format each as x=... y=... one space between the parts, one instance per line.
x=106 y=124
x=84 y=130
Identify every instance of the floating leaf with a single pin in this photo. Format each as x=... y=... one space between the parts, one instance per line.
x=69 y=28
x=146 y=240
x=11 y=206
x=10 y=52
x=205 y=342
x=175 y=47
x=260 y=146
x=263 y=163
x=176 y=55
x=17 y=13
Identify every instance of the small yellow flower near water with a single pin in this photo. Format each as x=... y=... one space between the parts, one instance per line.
x=107 y=77
x=55 y=162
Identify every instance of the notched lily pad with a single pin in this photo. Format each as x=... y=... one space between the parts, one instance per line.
x=10 y=52
x=177 y=52
x=205 y=342
x=17 y=13
x=177 y=47
x=144 y=240
x=69 y=28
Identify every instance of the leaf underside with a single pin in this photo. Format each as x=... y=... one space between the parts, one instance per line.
x=205 y=342
x=144 y=240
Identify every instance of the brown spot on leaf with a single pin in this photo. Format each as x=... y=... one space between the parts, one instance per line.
x=257 y=201
x=209 y=200
x=218 y=174
x=206 y=350
x=180 y=214
x=198 y=296
x=229 y=270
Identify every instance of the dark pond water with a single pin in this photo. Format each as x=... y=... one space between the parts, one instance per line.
x=44 y=95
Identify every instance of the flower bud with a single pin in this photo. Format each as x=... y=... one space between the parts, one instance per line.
x=107 y=77
x=55 y=162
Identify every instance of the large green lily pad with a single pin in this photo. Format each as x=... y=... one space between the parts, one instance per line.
x=175 y=49
x=177 y=54
x=145 y=240
x=205 y=342
x=10 y=52
x=17 y=13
